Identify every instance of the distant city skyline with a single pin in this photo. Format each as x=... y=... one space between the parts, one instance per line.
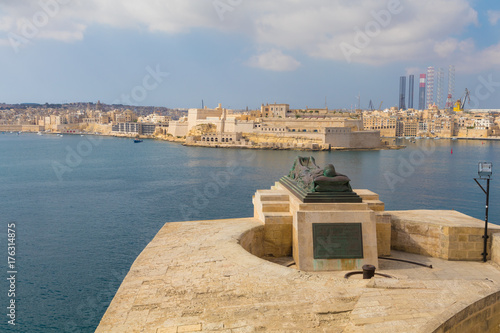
x=244 y=53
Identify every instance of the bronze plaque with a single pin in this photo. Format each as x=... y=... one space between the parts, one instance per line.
x=337 y=240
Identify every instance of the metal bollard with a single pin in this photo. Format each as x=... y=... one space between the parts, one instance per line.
x=368 y=271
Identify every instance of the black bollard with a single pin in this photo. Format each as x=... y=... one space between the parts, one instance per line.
x=368 y=271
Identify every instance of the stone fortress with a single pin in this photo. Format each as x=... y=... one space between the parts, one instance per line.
x=295 y=266
x=276 y=126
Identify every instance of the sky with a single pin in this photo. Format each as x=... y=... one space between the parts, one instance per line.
x=242 y=53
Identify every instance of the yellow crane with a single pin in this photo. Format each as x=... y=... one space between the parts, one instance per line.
x=460 y=103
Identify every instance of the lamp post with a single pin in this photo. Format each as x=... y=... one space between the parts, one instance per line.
x=484 y=172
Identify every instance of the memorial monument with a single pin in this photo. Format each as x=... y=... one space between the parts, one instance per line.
x=331 y=227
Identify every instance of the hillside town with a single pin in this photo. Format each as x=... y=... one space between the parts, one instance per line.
x=273 y=126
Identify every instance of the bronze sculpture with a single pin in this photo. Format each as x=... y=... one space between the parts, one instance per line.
x=308 y=175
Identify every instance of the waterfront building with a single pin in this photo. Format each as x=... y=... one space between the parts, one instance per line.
x=133 y=128
x=275 y=110
x=277 y=120
x=386 y=125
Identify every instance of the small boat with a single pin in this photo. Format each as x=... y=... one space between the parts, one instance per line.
x=137 y=140
x=437 y=138
x=454 y=138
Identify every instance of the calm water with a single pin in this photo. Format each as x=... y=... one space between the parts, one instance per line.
x=85 y=207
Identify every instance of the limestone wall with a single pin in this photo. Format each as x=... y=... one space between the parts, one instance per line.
x=252 y=241
x=11 y=128
x=482 y=316
x=495 y=248
x=383 y=221
x=364 y=139
x=178 y=129
x=440 y=233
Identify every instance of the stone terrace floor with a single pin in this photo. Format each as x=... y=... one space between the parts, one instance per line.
x=195 y=277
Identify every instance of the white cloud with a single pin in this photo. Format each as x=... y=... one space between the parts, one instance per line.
x=373 y=32
x=274 y=60
x=445 y=48
x=493 y=16
x=482 y=60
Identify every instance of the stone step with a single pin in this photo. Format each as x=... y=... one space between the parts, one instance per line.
x=278 y=218
x=375 y=205
x=366 y=194
x=274 y=197
x=275 y=206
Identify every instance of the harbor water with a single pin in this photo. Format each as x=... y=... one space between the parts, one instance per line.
x=84 y=207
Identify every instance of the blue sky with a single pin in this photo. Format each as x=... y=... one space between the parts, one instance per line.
x=242 y=53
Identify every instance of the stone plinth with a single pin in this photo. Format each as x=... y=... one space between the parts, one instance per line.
x=312 y=253
x=278 y=208
x=440 y=233
x=272 y=208
x=383 y=233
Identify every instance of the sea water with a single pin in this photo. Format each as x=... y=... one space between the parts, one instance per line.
x=84 y=207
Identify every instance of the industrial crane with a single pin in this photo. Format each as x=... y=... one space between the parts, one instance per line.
x=460 y=103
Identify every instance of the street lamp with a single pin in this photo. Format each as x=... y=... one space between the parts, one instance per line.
x=484 y=172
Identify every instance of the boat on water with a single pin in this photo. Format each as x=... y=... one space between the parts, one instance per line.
x=454 y=138
x=437 y=138
x=137 y=140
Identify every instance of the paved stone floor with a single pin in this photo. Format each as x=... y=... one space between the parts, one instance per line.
x=195 y=277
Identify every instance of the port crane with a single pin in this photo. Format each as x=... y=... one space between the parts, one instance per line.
x=460 y=103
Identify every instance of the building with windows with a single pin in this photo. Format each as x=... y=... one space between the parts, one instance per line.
x=133 y=128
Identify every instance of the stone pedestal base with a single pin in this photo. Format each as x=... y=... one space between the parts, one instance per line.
x=323 y=236
x=334 y=237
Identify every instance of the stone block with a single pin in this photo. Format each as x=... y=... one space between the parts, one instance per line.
x=463 y=245
x=416 y=229
x=189 y=328
x=457 y=255
x=475 y=255
x=495 y=248
x=375 y=205
x=475 y=238
x=383 y=222
x=366 y=194
x=167 y=330
x=275 y=206
x=339 y=213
